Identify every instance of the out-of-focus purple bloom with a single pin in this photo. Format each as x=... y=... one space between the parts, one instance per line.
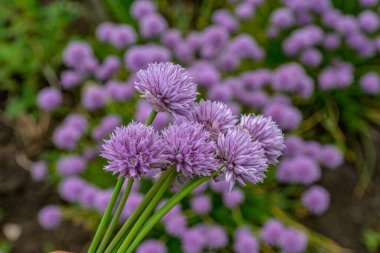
x=106 y=126
x=186 y=146
x=122 y=36
x=132 y=150
x=77 y=54
x=152 y=25
x=176 y=225
x=312 y=149
x=70 y=165
x=245 y=10
x=94 y=97
x=70 y=79
x=171 y=38
x=368 y=21
x=138 y=57
x=370 y=83
x=332 y=41
x=245 y=46
x=219 y=186
x=77 y=121
x=316 y=199
x=66 y=137
x=217 y=237
x=71 y=188
x=142 y=8
x=167 y=87
x=346 y=25
x=38 y=171
x=104 y=31
x=293 y=241
x=271 y=232
x=120 y=91
x=223 y=17
x=133 y=201
x=143 y=111
x=228 y=61
x=50 y=217
x=282 y=18
x=311 y=57
x=299 y=169
x=241 y=157
x=245 y=241
x=194 y=40
x=293 y=146
x=102 y=200
x=220 y=92
x=49 y=98
x=368 y=3
x=233 y=198
x=151 y=246
x=215 y=36
x=330 y=157
x=216 y=117
x=265 y=131
x=286 y=116
x=193 y=240
x=88 y=196
x=204 y=74
x=184 y=52
x=109 y=67
x=201 y=204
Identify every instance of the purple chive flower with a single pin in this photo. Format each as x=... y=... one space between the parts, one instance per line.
x=245 y=10
x=167 y=87
x=187 y=146
x=88 y=195
x=215 y=36
x=38 y=171
x=265 y=131
x=204 y=74
x=133 y=201
x=242 y=158
x=50 y=217
x=71 y=188
x=102 y=200
x=151 y=246
x=368 y=3
x=138 y=57
x=94 y=97
x=233 y=198
x=66 y=137
x=331 y=157
x=217 y=237
x=143 y=111
x=370 y=83
x=286 y=116
x=282 y=18
x=76 y=121
x=369 y=21
x=122 y=36
x=220 y=92
x=120 y=91
x=245 y=241
x=201 y=204
x=49 y=98
x=176 y=225
x=312 y=149
x=171 y=38
x=219 y=186
x=70 y=165
x=142 y=8
x=271 y=232
x=109 y=67
x=152 y=25
x=316 y=200
x=245 y=46
x=70 y=79
x=132 y=151
x=332 y=41
x=216 y=117
x=311 y=57
x=193 y=240
x=223 y=17
x=293 y=146
x=299 y=169
x=228 y=61
x=104 y=31
x=293 y=241
x=183 y=52
x=76 y=54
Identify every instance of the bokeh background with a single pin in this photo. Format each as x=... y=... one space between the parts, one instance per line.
x=311 y=65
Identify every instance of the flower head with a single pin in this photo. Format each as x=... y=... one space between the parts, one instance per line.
x=167 y=87
x=242 y=158
x=201 y=204
x=132 y=150
x=151 y=246
x=245 y=241
x=49 y=98
x=215 y=116
x=316 y=199
x=49 y=217
x=265 y=131
x=187 y=146
x=293 y=241
x=271 y=231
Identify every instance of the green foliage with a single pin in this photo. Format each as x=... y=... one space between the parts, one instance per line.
x=371 y=239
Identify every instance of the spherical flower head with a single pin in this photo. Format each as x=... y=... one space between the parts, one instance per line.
x=242 y=158
x=311 y=57
x=233 y=198
x=293 y=146
x=94 y=97
x=245 y=241
x=369 y=21
x=50 y=217
x=104 y=31
x=265 y=130
x=106 y=126
x=201 y=204
x=167 y=87
x=187 y=146
x=332 y=41
x=368 y=3
x=286 y=116
x=88 y=195
x=219 y=186
x=221 y=93
x=142 y=8
x=109 y=67
x=102 y=200
x=66 y=137
x=133 y=201
x=245 y=10
x=122 y=36
x=132 y=151
x=38 y=171
x=152 y=25
x=171 y=38
x=183 y=52
x=331 y=157
x=217 y=237
x=176 y=225
x=282 y=18
x=143 y=111
x=299 y=169
x=70 y=165
x=193 y=240
x=223 y=17
x=151 y=246
x=49 y=98
x=370 y=83
x=316 y=200
x=76 y=54
x=215 y=36
x=271 y=232
x=293 y=241
x=204 y=73
x=71 y=188
x=70 y=79
x=215 y=116
x=312 y=149
x=120 y=91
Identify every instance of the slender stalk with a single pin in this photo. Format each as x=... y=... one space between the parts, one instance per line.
x=150 y=118
x=148 y=210
x=116 y=217
x=106 y=216
x=175 y=199
x=137 y=212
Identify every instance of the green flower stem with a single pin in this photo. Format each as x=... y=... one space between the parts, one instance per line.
x=137 y=212
x=175 y=199
x=150 y=118
x=148 y=210
x=106 y=216
x=116 y=217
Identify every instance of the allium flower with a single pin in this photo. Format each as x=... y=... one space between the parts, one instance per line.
x=282 y=18
x=71 y=188
x=219 y=186
x=242 y=158
x=265 y=131
x=271 y=232
x=133 y=201
x=245 y=10
x=138 y=57
x=109 y=67
x=94 y=97
x=187 y=147
x=293 y=241
x=233 y=198
x=66 y=137
x=176 y=225
x=369 y=21
x=193 y=240
x=204 y=74
x=331 y=157
x=201 y=204
x=38 y=171
x=88 y=195
x=77 y=121
x=151 y=246
x=104 y=31
x=70 y=79
x=143 y=111
x=370 y=83
x=76 y=53
x=141 y=8
x=106 y=126
x=293 y=146
x=216 y=117
x=245 y=241
x=102 y=200
x=171 y=38
x=122 y=36
x=49 y=98
x=368 y=3
x=132 y=151
x=120 y=91
x=152 y=25
x=70 y=165
x=167 y=87
x=217 y=237
x=316 y=199
x=224 y=18
x=50 y=217
x=300 y=169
